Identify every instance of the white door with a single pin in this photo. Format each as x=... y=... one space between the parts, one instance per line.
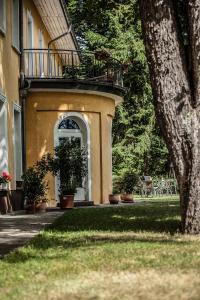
x=69 y=129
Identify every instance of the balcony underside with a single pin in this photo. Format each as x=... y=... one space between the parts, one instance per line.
x=71 y=84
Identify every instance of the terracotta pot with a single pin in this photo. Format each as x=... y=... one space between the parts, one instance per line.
x=66 y=201
x=41 y=207
x=127 y=198
x=114 y=199
x=30 y=208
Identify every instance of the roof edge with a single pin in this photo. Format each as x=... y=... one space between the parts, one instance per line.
x=68 y=20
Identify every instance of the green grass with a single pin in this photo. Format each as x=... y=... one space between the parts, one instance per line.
x=131 y=252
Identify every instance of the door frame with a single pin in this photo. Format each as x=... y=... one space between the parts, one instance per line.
x=84 y=121
x=4 y=103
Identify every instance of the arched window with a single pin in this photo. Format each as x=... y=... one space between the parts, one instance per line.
x=68 y=123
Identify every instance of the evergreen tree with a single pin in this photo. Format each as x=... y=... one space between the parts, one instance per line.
x=115 y=26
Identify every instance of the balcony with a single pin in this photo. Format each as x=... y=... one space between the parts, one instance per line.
x=71 y=66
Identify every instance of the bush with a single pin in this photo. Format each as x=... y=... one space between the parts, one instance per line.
x=34 y=185
x=69 y=163
x=126 y=182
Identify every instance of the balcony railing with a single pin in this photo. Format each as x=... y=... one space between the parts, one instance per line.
x=71 y=64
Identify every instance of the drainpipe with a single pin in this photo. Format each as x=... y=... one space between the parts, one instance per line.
x=22 y=91
x=51 y=42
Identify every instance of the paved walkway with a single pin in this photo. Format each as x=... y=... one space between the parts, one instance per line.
x=18 y=228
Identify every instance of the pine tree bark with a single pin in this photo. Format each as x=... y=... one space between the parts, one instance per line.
x=177 y=103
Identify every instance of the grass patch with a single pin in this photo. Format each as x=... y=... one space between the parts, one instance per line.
x=130 y=252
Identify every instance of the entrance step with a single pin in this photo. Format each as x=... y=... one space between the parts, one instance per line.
x=83 y=203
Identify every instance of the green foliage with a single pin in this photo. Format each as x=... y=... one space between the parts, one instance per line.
x=127 y=182
x=115 y=26
x=34 y=185
x=69 y=163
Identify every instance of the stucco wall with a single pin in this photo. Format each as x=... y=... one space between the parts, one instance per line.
x=43 y=110
x=9 y=80
x=29 y=7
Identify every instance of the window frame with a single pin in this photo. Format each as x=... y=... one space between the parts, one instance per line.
x=3 y=25
x=3 y=101
x=17 y=109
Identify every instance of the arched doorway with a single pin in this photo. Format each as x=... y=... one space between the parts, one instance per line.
x=74 y=125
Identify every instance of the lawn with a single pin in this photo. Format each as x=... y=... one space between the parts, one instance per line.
x=129 y=252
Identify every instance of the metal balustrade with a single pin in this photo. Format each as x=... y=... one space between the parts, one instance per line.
x=71 y=64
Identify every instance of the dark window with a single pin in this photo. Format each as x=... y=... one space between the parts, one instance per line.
x=68 y=124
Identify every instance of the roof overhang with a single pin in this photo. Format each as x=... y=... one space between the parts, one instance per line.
x=56 y=20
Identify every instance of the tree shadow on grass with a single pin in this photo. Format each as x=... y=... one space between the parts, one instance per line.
x=100 y=226
x=60 y=246
x=157 y=217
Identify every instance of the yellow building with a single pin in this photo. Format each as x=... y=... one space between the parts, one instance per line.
x=50 y=90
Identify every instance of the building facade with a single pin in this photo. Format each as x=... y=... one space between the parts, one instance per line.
x=50 y=90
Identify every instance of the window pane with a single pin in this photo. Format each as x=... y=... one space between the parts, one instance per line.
x=17 y=145
x=68 y=124
x=3 y=140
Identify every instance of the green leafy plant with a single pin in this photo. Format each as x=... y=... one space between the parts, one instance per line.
x=69 y=163
x=127 y=182
x=34 y=185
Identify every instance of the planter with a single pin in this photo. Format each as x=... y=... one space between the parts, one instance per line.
x=41 y=207
x=127 y=198
x=3 y=186
x=67 y=201
x=30 y=208
x=114 y=199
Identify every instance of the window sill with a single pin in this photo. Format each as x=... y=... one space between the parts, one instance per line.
x=16 y=49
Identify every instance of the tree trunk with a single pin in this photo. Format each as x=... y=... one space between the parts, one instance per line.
x=177 y=107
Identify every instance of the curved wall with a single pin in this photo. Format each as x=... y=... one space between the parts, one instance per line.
x=43 y=109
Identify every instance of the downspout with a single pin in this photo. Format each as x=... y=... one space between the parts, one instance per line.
x=22 y=90
x=49 y=47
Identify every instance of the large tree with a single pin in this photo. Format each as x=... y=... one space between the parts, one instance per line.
x=175 y=80
x=115 y=25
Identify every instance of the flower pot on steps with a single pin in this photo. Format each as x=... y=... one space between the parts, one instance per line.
x=127 y=198
x=67 y=201
x=114 y=198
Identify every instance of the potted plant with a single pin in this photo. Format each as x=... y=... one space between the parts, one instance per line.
x=69 y=164
x=4 y=180
x=34 y=189
x=5 y=205
x=128 y=181
x=115 y=197
x=102 y=54
x=67 y=192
